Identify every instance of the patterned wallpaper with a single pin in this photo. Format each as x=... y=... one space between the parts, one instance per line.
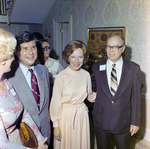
x=134 y=14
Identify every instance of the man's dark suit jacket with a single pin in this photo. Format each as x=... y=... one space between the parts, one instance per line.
x=41 y=117
x=117 y=113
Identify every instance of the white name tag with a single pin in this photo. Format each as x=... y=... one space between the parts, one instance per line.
x=13 y=92
x=102 y=67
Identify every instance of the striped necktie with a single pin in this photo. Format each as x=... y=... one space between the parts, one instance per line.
x=113 y=81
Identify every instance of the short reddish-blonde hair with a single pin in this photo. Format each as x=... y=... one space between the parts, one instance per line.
x=71 y=47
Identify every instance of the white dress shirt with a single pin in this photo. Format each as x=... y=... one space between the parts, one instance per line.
x=27 y=73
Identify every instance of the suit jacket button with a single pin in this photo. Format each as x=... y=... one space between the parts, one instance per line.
x=112 y=101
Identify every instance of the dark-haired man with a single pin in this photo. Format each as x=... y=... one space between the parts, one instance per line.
x=25 y=75
x=117 y=107
x=38 y=36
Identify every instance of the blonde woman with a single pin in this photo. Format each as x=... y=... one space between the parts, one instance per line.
x=11 y=109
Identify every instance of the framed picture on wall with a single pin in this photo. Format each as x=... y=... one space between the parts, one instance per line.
x=96 y=41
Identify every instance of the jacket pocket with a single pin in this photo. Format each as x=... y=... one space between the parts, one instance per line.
x=126 y=117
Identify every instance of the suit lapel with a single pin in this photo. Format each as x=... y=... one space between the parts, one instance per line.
x=41 y=85
x=124 y=78
x=104 y=81
x=23 y=88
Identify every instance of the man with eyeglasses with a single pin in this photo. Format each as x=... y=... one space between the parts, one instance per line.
x=117 y=107
x=31 y=82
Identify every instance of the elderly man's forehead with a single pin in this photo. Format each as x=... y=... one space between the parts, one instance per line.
x=115 y=39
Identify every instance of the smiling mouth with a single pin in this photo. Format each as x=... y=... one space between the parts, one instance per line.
x=111 y=54
x=31 y=58
x=76 y=65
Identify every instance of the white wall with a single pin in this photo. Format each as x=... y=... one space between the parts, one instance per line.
x=15 y=28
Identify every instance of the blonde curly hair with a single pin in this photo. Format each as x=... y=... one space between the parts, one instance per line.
x=7 y=45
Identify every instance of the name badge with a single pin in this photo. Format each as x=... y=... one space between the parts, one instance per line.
x=102 y=67
x=13 y=92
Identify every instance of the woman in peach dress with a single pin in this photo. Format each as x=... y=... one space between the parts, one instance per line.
x=68 y=112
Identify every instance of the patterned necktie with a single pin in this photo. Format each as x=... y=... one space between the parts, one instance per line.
x=113 y=82
x=35 y=88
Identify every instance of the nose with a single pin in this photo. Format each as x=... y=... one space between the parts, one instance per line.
x=77 y=60
x=30 y=51
x=111 y=48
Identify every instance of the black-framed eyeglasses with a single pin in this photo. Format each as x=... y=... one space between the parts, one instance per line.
x=46 y=48
x=114 y=48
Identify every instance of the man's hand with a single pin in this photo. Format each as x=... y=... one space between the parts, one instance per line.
x=42 y=145
x=134 y=129
x=57 y=133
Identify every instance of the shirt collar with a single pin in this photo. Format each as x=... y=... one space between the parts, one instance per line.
x=25 y=69
x=118 y=64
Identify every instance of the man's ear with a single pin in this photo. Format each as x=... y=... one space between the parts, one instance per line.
x=123 y=49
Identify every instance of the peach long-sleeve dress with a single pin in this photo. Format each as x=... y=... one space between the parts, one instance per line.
x=68 y=110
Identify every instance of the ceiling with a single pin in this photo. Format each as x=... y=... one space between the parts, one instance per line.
x=30 y=11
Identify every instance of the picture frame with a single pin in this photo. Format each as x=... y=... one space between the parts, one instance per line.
x=97 y=39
